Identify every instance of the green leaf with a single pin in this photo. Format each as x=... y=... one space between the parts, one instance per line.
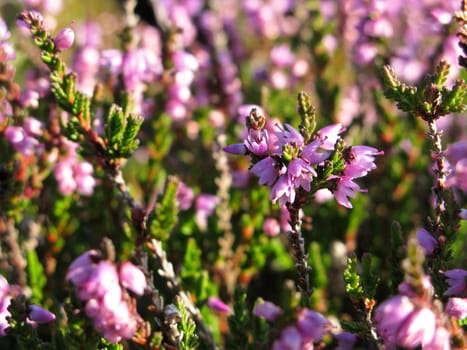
x=370 y=275
x=353 y=285
x=36 y=276
x=166 y=211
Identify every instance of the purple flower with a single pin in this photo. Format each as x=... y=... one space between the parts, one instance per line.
x=360 y=160
x=271 y=227
x=389 y=316
x=457 y=282
x=267 y=310
x=417 y=329
x=132 y=278
x=289 y=135
x=441 y=340
x=39 y=314
x=457 y=307
x=346 y=188
x=257 y=142
x=283 y=191
x=426 y=241
x=236 y=148
x=312 y=325
x=266 y=170
x=184 y=196
x=64 y=39
x=290 y=338
x=313 y=153
x=218 y=305
x=329 y=136
x=300 y=173
x=345 y=340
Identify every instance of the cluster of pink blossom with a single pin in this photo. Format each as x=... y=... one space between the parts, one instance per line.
x=72 y=174
x=7 y=52
x=308 y=329
x=285 y=163
x=457 y=166
x=271 y=19
x=285 y=67
x=138 y=66
x=104 y=286
x=179 y=94
x=24 y=139
x=410 y=320
x=35 y=313
x=379 y=26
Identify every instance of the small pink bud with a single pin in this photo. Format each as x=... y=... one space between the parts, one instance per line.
x=218 y=305
x=236 y=148
x=132 y=278
x=426 y=241
x=40 y=315
x=64 y=39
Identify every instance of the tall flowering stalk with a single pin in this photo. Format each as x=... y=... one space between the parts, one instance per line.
x=297 y=163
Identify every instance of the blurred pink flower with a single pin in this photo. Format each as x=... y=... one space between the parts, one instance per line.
x=64 y=39
x=268 y=310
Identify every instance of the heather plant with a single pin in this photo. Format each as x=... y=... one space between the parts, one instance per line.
x=233 y=175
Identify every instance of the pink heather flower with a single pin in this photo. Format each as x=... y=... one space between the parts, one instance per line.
x=30 y=98
x=288 y=135
x=205 y=205
x=426 y=241
x=390 y=315
x=132 y=278
x=267 y=310
x=313 y=153
x=40 y=315
x=33 y=127
x=184 y=196
x=380 y=27
x=100 y=285
x=456 y=279
x=312 y=325
x=20 y=140
x=64 y=39
x=365 y=53
x=103 y=278
x=183 y=60
x=282 y=56
x=300 y=173
x=4 y=313
x=290 y=338
x=257 y=142
x=329 y=136
x=81 y=267
x=360 y=160
x=457 y=307
x=417 y=329
x=345 y=340
x=236 y=148
x=346 y=188
x=283 y=191
x=271 y=227
x=441 y=340
x=463 y=214
x=218 y=305
x=266 y=170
